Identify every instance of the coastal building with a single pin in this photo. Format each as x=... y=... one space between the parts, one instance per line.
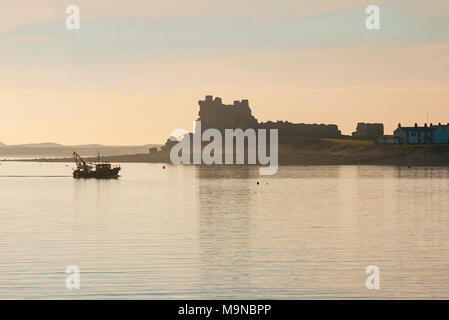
x=368 y=130
x=287 y=128
x=413 y=135
x=440 y=133
x=433 y=134
x=214 y=114
x=387 y=139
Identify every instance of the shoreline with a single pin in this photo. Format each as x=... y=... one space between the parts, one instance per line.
x=306 y=151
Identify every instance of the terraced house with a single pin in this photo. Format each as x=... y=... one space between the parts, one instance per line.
x=433 y=134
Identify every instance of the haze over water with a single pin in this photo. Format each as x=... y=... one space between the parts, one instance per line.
x=207 y=232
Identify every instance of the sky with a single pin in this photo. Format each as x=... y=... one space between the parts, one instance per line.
x=136 y=69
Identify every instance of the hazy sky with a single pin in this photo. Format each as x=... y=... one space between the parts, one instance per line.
x=136 y=68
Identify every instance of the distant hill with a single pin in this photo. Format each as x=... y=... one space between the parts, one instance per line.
x=40 y=145
x=49 y=149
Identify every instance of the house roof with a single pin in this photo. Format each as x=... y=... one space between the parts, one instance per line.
x=444 y=127
x=424 y=129
x=416 y=129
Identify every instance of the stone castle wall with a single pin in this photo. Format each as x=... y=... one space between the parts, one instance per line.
x=369 y=130
x=214 y=114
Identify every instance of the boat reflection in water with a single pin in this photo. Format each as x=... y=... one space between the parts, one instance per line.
x=98 y=171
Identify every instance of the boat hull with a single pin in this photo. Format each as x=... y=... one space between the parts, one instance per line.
x=107 y=174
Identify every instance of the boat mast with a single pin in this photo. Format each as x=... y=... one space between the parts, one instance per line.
x=80 y=163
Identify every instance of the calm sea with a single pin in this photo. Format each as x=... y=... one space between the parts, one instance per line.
x=200 y=233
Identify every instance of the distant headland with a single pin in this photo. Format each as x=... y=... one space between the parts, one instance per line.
x=49 y=149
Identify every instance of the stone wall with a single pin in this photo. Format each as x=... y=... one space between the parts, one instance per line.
x=214 y=114
x=372 y=130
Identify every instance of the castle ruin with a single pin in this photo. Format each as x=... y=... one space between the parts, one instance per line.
x=214 y=114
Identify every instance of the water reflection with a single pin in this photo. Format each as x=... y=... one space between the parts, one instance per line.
x=224 y=231
x=214 y=232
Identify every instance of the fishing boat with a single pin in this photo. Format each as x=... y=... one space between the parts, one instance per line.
x=97 y=170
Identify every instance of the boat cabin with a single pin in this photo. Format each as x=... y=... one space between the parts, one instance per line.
x=101 y=167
